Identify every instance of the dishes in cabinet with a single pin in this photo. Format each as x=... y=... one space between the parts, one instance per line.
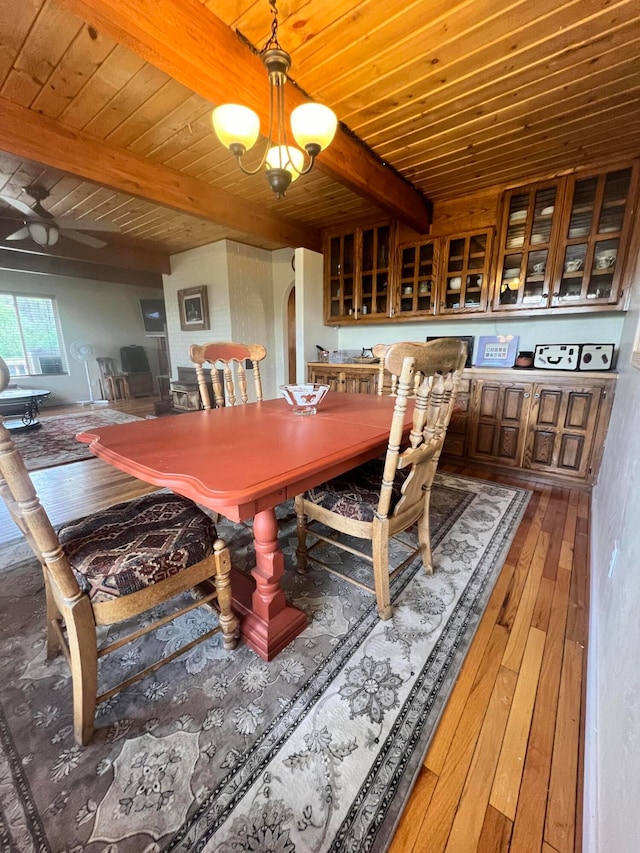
x=514 y=242
x=511 y=273
x=605 y=259
x=455 y=283
x=573 y=265
x=518 y=216
x=547 y=211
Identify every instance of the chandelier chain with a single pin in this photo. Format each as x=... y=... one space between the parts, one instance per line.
x=272 y=42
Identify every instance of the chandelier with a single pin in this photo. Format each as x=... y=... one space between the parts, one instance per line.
x=313 y=125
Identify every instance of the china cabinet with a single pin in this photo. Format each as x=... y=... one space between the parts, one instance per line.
x=441 y=276
x=562 y=243
x=417 y=285
x=464 y=281
x=357 y=273
x=593 y=235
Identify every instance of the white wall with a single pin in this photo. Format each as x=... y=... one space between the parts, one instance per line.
x=104 y=314
x=252 y=308
x=310 y=329
x=283 y=281
x=207 y=266
x=612 y=789
x=240 y=292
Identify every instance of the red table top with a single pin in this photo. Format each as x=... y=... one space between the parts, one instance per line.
x=242 y=459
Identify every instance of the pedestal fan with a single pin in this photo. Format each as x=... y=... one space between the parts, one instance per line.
x=83 y=352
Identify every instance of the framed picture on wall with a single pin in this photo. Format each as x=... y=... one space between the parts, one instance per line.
x=194 y=309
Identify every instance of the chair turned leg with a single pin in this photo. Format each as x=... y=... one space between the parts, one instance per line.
x=424 y=533
x=222 y=579
x=81 y=632
x=380 y=552
x=53 y=617
x=301 y=525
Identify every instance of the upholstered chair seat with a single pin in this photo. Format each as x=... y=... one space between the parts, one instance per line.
x=356 y=493
x=135 y=544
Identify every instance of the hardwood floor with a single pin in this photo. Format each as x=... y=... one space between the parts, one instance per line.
x=503 y=770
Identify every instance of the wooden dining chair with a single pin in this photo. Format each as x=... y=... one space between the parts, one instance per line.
x=384 y=497
x=231 y=358
x=114 y=565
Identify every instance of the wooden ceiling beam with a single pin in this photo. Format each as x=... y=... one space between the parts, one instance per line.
x=48 y=264
x=187 y=41
x=35 y=137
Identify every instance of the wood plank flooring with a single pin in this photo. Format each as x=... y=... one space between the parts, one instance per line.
x=503 y=770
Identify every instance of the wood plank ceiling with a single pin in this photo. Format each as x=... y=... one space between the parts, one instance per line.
x=107 y=104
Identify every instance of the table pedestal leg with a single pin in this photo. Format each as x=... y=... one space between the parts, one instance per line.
x=267 y=622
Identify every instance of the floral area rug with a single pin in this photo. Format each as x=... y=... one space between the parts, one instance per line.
x=54 y=443
x=219 y=751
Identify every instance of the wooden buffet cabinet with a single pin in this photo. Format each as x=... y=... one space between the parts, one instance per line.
x=547 y=424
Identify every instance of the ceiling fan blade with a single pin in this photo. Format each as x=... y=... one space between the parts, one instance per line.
x=83 y=238
x=19 y=205
x=86 y=224
x=20 y=234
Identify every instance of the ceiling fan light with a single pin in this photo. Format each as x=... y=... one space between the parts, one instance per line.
x=236 y=125
x=313 y=124
x=289 y=158
x=43 y=233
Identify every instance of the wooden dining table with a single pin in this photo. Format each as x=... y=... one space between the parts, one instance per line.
x=242 y=462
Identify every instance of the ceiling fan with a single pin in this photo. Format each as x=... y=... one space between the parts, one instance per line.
x=44 y=229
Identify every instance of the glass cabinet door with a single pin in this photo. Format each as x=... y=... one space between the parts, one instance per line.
x=464 y=283
x=417 y=284
x=375 y=272
x=342 y=295
x=529 y=227
x=588 y=271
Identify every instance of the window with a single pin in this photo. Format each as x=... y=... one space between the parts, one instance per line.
x=30 y=335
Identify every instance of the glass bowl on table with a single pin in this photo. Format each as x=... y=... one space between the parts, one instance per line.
x=304 y=399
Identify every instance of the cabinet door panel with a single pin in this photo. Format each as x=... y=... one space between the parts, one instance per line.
x=579 y=405
x=489 y=401
x=571 y=452
x=542 y=445
x=563 y=422
x=512 y=405
x=498 y=422
x=549 y=407
x=360 y=383
x=509 y=441
x=485 y=439
x=333 y=378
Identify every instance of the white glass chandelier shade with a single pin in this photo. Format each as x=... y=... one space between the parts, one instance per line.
x=314 y=125
x=43 y=233
x=235 y=125
x=286 y=157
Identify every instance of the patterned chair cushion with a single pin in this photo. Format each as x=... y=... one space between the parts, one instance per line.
x=137 y=543
x=355 y=494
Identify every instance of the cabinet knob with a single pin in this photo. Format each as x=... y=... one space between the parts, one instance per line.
x=537 y=396
x=526 y=396
x=546 y=295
